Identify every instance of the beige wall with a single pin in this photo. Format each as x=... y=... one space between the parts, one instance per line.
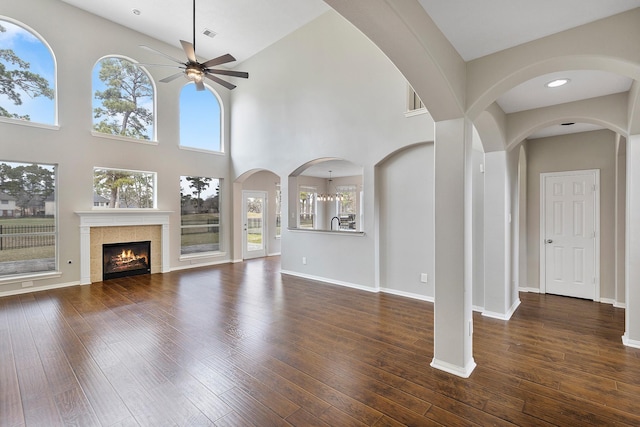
x=589 y=150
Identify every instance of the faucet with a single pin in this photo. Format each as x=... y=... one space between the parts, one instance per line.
x=335 y=217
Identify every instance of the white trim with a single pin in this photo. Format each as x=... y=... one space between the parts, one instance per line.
x=119 y=218
x=245 y=220
x=619 y=304
x=503 y=316
x=477 y=308
x=23 y=277
x=329 y=281
x=411 y=295
x=596 y=219
x=629 y=342
x=528 y=289
x=201 y=255
x=38 y=289
x=235 y=261
x=200 y=264
x=460 y=371
x=274 y=254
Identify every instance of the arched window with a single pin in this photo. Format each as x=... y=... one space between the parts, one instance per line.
x=27 y=75
x=200 y=119
x=123 y=99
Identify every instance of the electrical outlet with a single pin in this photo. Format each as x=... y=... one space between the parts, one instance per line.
x=424 y=278
x=304 y=260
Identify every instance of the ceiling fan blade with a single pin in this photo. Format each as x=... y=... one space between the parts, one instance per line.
x=219 y=60
x=220 y=81
x=199 y=86
x=172 y=77
x=161 y=53
x=189 y=50
x=241 y=74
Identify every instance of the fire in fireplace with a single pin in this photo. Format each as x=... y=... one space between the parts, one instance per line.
x=125 y=259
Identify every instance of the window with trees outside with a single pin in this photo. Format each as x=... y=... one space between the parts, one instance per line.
x=200 y=119
x=278 y=210
x=27 y=218
x=308 y=198
x=346 y=206
x=27 y=76
x=117 y=188
x=123 y=99
x=199 y=215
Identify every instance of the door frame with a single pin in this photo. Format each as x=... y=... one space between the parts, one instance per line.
x=245 y=194
x=596 y=217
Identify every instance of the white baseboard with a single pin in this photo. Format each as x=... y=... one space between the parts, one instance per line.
x=527 y=289
x=477 y=308
x=330 y=281
x=407 y=294
x=38 y=288
x=619 y=305
x=629 y=342
x=503 y=316
x=274 y=254
x=460 y=371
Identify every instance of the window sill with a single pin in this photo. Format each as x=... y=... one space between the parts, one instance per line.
x=417 y=112
x=28 y=123
x=202 y=255
x=123 y=138
x=335 y=232
x=29 y=277
x=201 y=150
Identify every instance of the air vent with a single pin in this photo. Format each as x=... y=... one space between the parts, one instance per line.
x=207 y=32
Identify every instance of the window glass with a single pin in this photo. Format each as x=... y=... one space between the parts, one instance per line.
x=27 y=218
x=346 y=206
x=200 y=118
x=122 y=99
x=27 y=76
x=117 y=188
x=308 y=199
x=199 y=214
x=278 y=210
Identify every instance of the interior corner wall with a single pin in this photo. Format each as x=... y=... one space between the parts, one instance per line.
x=579 y=151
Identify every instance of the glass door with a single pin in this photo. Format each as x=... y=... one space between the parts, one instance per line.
x=254 y=203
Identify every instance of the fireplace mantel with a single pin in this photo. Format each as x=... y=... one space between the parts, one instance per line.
x=119 y=218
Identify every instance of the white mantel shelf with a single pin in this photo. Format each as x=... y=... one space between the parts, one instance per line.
x=119 y=218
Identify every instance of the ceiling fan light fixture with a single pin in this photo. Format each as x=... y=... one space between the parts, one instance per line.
x=557 y=83
x=194 y=74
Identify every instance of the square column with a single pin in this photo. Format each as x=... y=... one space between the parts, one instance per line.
x=631 y=335
x=453 y=324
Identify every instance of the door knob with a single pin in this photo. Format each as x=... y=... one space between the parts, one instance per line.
x=549 y=241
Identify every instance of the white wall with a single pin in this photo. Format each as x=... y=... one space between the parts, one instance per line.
x=588 y=150
x=405 y=191
x=324 y=91
x=77 y=44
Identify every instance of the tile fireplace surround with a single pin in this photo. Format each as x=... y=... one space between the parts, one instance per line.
x=121 y=225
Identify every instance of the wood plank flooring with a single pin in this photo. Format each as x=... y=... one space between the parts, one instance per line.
x=241 y=345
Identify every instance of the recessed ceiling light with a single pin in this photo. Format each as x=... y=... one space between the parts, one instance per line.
x=557 y=83
x=136 y=11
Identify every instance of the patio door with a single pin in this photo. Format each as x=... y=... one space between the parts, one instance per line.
x=254 y=208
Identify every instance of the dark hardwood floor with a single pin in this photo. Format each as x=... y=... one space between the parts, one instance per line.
x=240 y=344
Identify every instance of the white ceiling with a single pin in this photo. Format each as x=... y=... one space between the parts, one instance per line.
x=475 y=28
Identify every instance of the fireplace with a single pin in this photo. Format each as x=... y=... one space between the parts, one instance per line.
x=125 y=259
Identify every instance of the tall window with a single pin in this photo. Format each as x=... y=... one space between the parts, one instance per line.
x=27 y=218
x=123 y=99
x=308 y=199
x=200 y=119
x=413 y=100
x=27 y=76
x=117 y=188
x=199 y=214
x=278 y=210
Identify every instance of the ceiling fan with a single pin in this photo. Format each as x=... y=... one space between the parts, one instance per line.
x=197 y=71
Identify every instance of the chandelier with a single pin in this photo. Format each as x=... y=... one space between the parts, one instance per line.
x=328 y=196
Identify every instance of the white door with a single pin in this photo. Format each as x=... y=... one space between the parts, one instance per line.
x=254 y=231
x=570 y=244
